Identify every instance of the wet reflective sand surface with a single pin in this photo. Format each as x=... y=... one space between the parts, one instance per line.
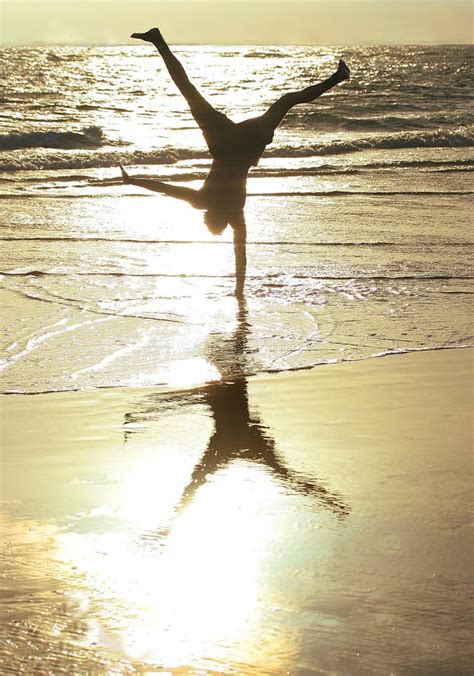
x=310 y=523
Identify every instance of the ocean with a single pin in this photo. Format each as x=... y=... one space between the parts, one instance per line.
x=358 y=214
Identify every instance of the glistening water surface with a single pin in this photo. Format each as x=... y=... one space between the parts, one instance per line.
x=358 y=214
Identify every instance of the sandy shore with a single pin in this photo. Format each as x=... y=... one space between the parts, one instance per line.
x=314 y=522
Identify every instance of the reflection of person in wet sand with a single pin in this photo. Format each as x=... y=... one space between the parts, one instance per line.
x=235 y=147
x=238 y=432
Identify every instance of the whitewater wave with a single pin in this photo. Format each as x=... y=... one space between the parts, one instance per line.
x=30 y=272
x=39 y=159
x=82 y=159
x=265 y=53
x=199 y=172
x=88 y=137
x=290 y=193
x=267 y=243
x=462 y=137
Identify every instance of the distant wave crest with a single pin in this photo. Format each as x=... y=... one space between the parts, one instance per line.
x=88 y=137
x=86 y=160
x=381 y=122
x=264 y=53
x=461 y=137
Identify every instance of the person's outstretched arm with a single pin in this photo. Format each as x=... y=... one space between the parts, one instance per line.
x=187 y=194
x=240 y=249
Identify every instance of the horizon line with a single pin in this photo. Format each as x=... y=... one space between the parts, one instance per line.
x=243 y=44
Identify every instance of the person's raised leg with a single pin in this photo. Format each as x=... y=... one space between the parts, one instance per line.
x=279 y=109
x=174 y=66
x=208 y=118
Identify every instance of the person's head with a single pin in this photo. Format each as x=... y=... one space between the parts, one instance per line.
x=216 y=221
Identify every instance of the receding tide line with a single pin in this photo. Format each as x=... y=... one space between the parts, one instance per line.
x=74 y=304
x=321 y=193
x=166 y=389
x=38 y=273
x=134 y=240
x=356 y=193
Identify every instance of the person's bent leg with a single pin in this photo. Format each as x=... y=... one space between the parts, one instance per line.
x=279 y=109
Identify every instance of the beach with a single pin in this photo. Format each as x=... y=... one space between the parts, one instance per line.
x=367 y=571
x=195 y=483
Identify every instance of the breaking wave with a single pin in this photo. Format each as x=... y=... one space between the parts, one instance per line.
x=200 y=170
x=462 y=137
x=82 y=159
x=88 y=137
x=382 y=122
x=91 y=139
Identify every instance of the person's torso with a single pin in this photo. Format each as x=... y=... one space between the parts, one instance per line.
x=225 y=187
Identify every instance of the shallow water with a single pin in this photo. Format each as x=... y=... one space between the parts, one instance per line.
x=360 y=239
x=332 y=281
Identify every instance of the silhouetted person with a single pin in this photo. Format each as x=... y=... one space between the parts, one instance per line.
x=223 y=196
x=235 y=147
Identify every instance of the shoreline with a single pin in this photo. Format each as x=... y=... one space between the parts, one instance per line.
x=167 y=389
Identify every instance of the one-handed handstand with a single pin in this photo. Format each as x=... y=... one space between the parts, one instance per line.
x=235 y=147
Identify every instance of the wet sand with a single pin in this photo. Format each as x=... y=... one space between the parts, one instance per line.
x=313 y=522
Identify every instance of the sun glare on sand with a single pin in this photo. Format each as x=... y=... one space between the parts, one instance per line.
x=173 y=599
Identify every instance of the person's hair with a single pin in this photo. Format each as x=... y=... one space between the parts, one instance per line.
x=216 y=222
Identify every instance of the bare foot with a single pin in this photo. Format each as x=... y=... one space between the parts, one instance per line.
x=125 y=176
x=343 y=72
x=153 y=35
